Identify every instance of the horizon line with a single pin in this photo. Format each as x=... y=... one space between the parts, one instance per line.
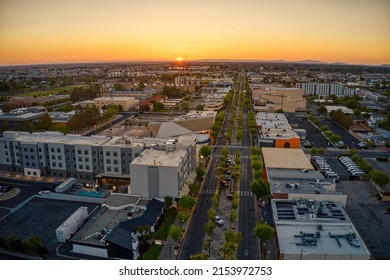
x=164 y=60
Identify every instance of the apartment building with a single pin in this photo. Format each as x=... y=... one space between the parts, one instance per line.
x=162 y=170
x=324 y=89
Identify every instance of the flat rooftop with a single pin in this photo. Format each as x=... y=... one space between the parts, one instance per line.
x=197 y=114
x=115 y=98
x=305 y=241
x=41 y=217
x=286 y=159
x=56 y=137
x=292 y=186
x=160 y=157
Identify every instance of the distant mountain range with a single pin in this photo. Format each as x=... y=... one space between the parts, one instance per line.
x=307 y=61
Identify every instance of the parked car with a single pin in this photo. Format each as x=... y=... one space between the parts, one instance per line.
x=219 y=221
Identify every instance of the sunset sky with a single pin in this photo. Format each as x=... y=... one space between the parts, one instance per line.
x=51 y=31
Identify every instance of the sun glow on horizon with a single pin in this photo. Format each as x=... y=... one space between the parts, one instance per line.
x=42 y=31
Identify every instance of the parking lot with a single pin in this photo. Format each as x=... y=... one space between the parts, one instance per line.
x=41 y=217
x=315 y=137
x=348 y=139
x=366 y=213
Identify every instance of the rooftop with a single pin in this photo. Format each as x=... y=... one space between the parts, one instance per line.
x=160 y=157
x=55 y=137
x=286 y=158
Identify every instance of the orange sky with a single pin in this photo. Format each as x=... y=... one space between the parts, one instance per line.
x=50 y=31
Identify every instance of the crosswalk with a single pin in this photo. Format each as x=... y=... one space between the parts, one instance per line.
x=234 y=146
x=241 y=193
x=218 y=156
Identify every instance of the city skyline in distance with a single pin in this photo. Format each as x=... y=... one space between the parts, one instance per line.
x=330 y=32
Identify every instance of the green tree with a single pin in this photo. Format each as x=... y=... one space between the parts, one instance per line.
x=187 y=202
x=175 y=232
x=199 y=107
x=205 y=151
x=183 y=217
x=322 y=110
x=260 y=188
x=168 y=200
x=209 y=227
x=232 y=217
x=200 y=172
x=199 y=256
x=256 y=165
x=335 y=138
x=31 y=245
x=264 y=232
x=158 y=107
x=194 y=188
x=379 y=178
x=45 y=122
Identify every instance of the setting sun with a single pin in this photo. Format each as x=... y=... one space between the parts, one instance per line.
x=179 y=59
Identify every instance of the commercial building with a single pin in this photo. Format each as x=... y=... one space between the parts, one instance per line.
x=315 y=230
x=275 y=131
x=163 y=170
x=292 y=176
x=273 y=99
x=343 y=109
x=127 y=103
x=17 y=118
x=193 y=122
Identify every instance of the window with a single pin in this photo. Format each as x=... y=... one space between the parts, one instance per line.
x=6 y=153
x=115 y=154
x=59 y=157
x=60 y=165
x=108 y=154
x=86 y=152
x=108 y=169
x=35 y=173
x=87 y=167
x=28 y=172
x=67 y=150
x=40 y=157
x=86 y=159
x=123 y=154
x=115 y=161
x=27 y=164
x=40 y=150
x=58 y=150
x=33 y=164
x=54 y=164
x=79 y=152
x=25 y=149
x=53 y=157
x=116 y=169
x=80 y=159
x=26 y=156
x=52 y=150
x=94 y=152
x=32 y=157
x=108 y=161
x=80 y=166
x=31 y=150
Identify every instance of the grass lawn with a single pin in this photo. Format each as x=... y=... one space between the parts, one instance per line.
x=169 y=218
x=54 y=91
x=153 y=253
